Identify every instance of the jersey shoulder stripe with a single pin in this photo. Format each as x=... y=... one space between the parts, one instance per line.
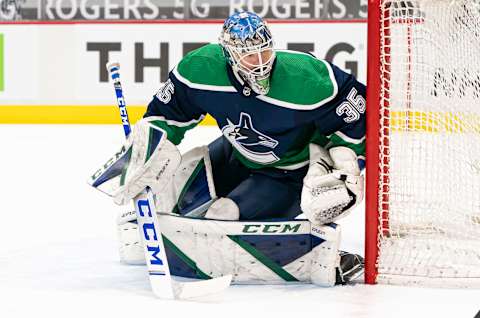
x=204 y=68
x=300 y=81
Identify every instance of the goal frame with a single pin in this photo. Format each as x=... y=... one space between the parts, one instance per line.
x=441 y=122
x=372 y=141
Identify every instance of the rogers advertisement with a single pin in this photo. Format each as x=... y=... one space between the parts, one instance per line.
x=63 y=10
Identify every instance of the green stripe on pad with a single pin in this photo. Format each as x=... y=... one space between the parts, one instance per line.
x=151 y=131
x=274 y=267
x=191 y=179
x=190 y=263
x=125 y=167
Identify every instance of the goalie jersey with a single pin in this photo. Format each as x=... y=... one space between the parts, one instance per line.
x=309 y=100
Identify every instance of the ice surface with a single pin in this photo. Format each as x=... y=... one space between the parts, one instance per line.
x=58 y=249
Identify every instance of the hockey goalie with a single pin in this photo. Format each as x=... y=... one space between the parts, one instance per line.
x=293 y=141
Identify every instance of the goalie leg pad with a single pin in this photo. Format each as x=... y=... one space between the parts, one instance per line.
x=130 y=246
x=191 y=190
x=325 y=258
x=257 y=252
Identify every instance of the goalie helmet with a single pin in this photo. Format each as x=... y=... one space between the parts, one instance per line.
x=248 y=46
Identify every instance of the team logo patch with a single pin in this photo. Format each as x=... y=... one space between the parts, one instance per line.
x=243 y=136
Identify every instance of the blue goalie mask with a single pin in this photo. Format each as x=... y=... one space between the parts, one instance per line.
x=248 y=46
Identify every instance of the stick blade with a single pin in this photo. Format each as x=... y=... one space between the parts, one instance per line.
x=202 y=288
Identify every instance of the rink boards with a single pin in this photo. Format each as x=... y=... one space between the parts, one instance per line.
x=65 y=73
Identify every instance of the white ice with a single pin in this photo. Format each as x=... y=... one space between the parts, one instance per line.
x=58 y=249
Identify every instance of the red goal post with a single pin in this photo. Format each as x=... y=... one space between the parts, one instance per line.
x=372 y=137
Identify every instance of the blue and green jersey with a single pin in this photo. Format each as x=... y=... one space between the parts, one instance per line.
x=310 y=100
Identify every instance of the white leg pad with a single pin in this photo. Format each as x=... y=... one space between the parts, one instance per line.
x=213 y=246
x=166 y=200
x=223 y=209
x=130 y=246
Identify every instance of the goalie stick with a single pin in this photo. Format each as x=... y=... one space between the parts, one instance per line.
x=162 y=283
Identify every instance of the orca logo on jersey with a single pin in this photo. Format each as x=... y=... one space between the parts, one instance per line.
x=244 y=136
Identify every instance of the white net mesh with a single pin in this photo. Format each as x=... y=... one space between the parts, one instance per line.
x=430 y=142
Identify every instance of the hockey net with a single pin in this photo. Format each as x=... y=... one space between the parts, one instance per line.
x=423 y=143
